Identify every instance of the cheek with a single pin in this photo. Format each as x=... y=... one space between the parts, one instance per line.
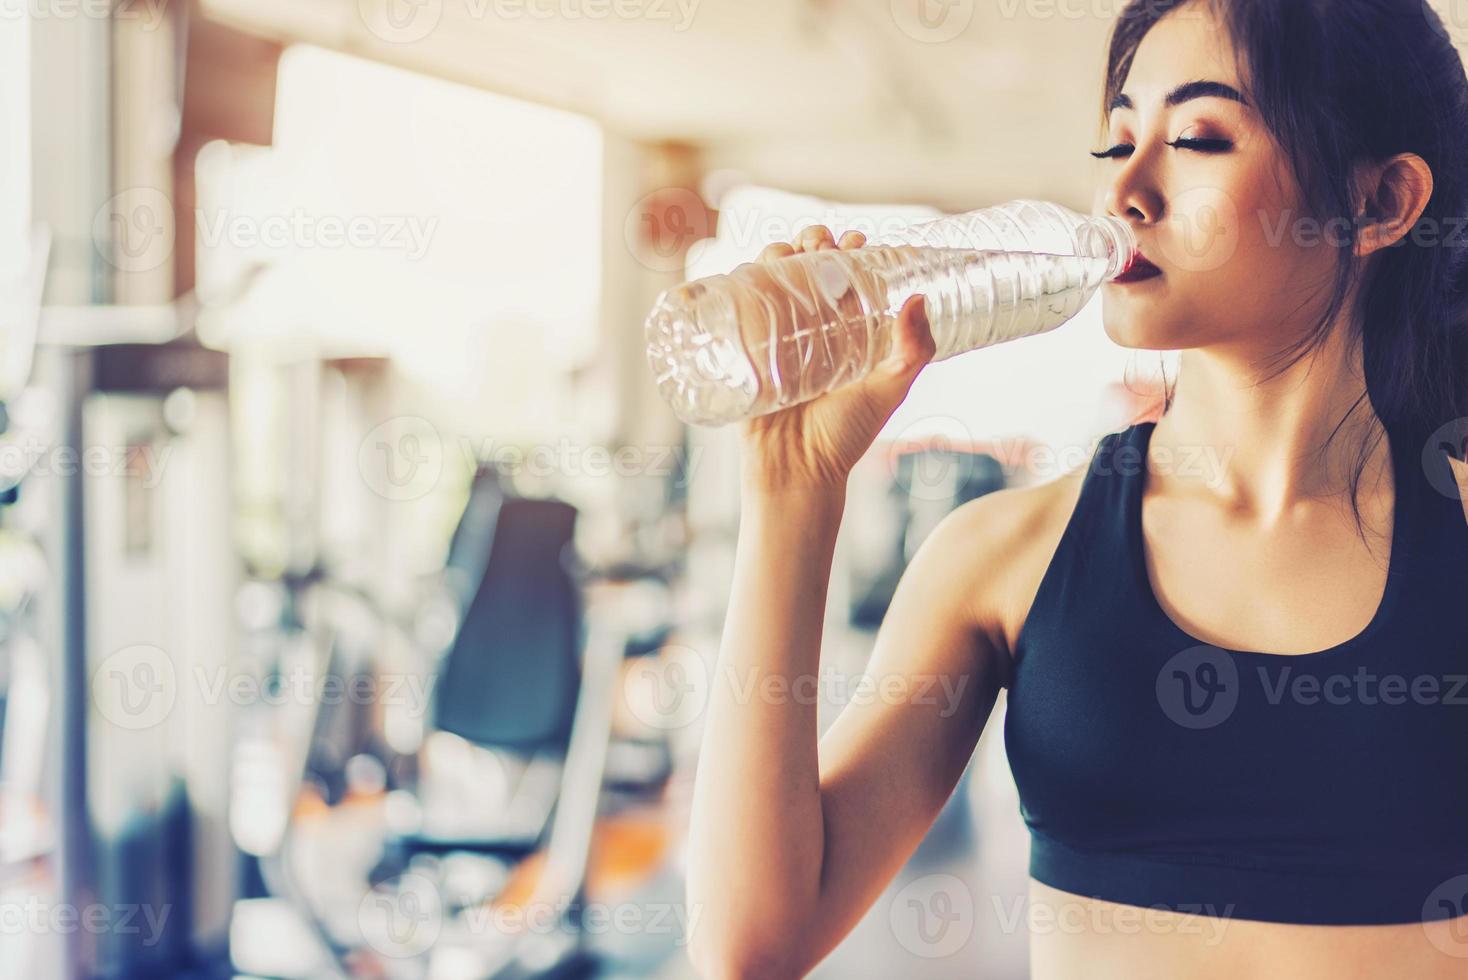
x=1242 y=247
x=1287 y=244
x=1272 y=240
x=1280 y=257
x=1202 y=232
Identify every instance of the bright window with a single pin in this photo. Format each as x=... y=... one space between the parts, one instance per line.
x=455 y=230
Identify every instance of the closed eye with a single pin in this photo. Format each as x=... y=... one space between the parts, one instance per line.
x=1199 y=145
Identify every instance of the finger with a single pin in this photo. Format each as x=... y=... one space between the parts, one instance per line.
x=810 y=239
x=887 y=385
x=852 y=239
x=776 y=250
x=912 y=342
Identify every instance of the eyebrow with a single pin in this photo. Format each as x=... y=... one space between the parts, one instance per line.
x=1186 y=92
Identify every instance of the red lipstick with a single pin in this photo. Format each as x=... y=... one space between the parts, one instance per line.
x=1138 y=269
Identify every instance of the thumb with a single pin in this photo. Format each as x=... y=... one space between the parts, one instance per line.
x=912 y=347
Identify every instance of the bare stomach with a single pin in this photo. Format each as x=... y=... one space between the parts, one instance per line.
x=1073 y=937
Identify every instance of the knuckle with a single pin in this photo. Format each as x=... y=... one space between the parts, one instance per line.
x=814 y=233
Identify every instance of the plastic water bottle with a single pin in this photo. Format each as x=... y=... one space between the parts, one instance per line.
x=774 y=334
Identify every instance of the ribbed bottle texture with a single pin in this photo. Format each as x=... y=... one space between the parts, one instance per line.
x=774 y=334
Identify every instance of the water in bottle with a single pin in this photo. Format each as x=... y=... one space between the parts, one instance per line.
x=774 y=334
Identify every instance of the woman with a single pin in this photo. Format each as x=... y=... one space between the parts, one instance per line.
x=1230 y=692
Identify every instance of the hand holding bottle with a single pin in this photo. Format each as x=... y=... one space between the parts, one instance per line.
x=814 y=445
x=811 y=318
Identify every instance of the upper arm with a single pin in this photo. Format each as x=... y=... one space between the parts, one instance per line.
x=892 y=757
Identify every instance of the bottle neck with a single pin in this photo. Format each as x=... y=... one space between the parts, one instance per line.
x=1110 y=238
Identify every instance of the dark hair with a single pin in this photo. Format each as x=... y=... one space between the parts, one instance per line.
x=1336 y=83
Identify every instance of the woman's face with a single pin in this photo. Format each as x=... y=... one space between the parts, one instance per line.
x=1221 y=217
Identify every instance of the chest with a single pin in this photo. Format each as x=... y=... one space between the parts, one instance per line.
x=1305 y=583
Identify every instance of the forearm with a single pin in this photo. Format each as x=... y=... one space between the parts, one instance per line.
x=757 y=836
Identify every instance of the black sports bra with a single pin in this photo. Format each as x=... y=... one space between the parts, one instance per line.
x=1156 y=770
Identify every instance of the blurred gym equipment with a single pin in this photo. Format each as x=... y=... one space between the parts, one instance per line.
x=927 y=483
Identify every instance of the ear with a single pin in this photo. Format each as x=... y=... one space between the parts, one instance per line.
x=1391 y=196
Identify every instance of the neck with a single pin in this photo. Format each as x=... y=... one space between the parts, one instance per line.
x=1273 y=435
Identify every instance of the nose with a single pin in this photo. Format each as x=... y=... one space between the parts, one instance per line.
x=1132 y=194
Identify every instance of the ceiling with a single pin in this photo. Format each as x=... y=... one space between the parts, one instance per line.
x=955 y=103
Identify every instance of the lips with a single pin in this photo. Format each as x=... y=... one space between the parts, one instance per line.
x=1138 y=269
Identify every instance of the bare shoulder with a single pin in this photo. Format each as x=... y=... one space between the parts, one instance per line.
x=1460 y=470
x=1001 y=544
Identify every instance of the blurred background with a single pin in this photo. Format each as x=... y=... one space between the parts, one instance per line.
x=359 y=595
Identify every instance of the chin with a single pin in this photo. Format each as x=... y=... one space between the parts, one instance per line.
x=1141 y=332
